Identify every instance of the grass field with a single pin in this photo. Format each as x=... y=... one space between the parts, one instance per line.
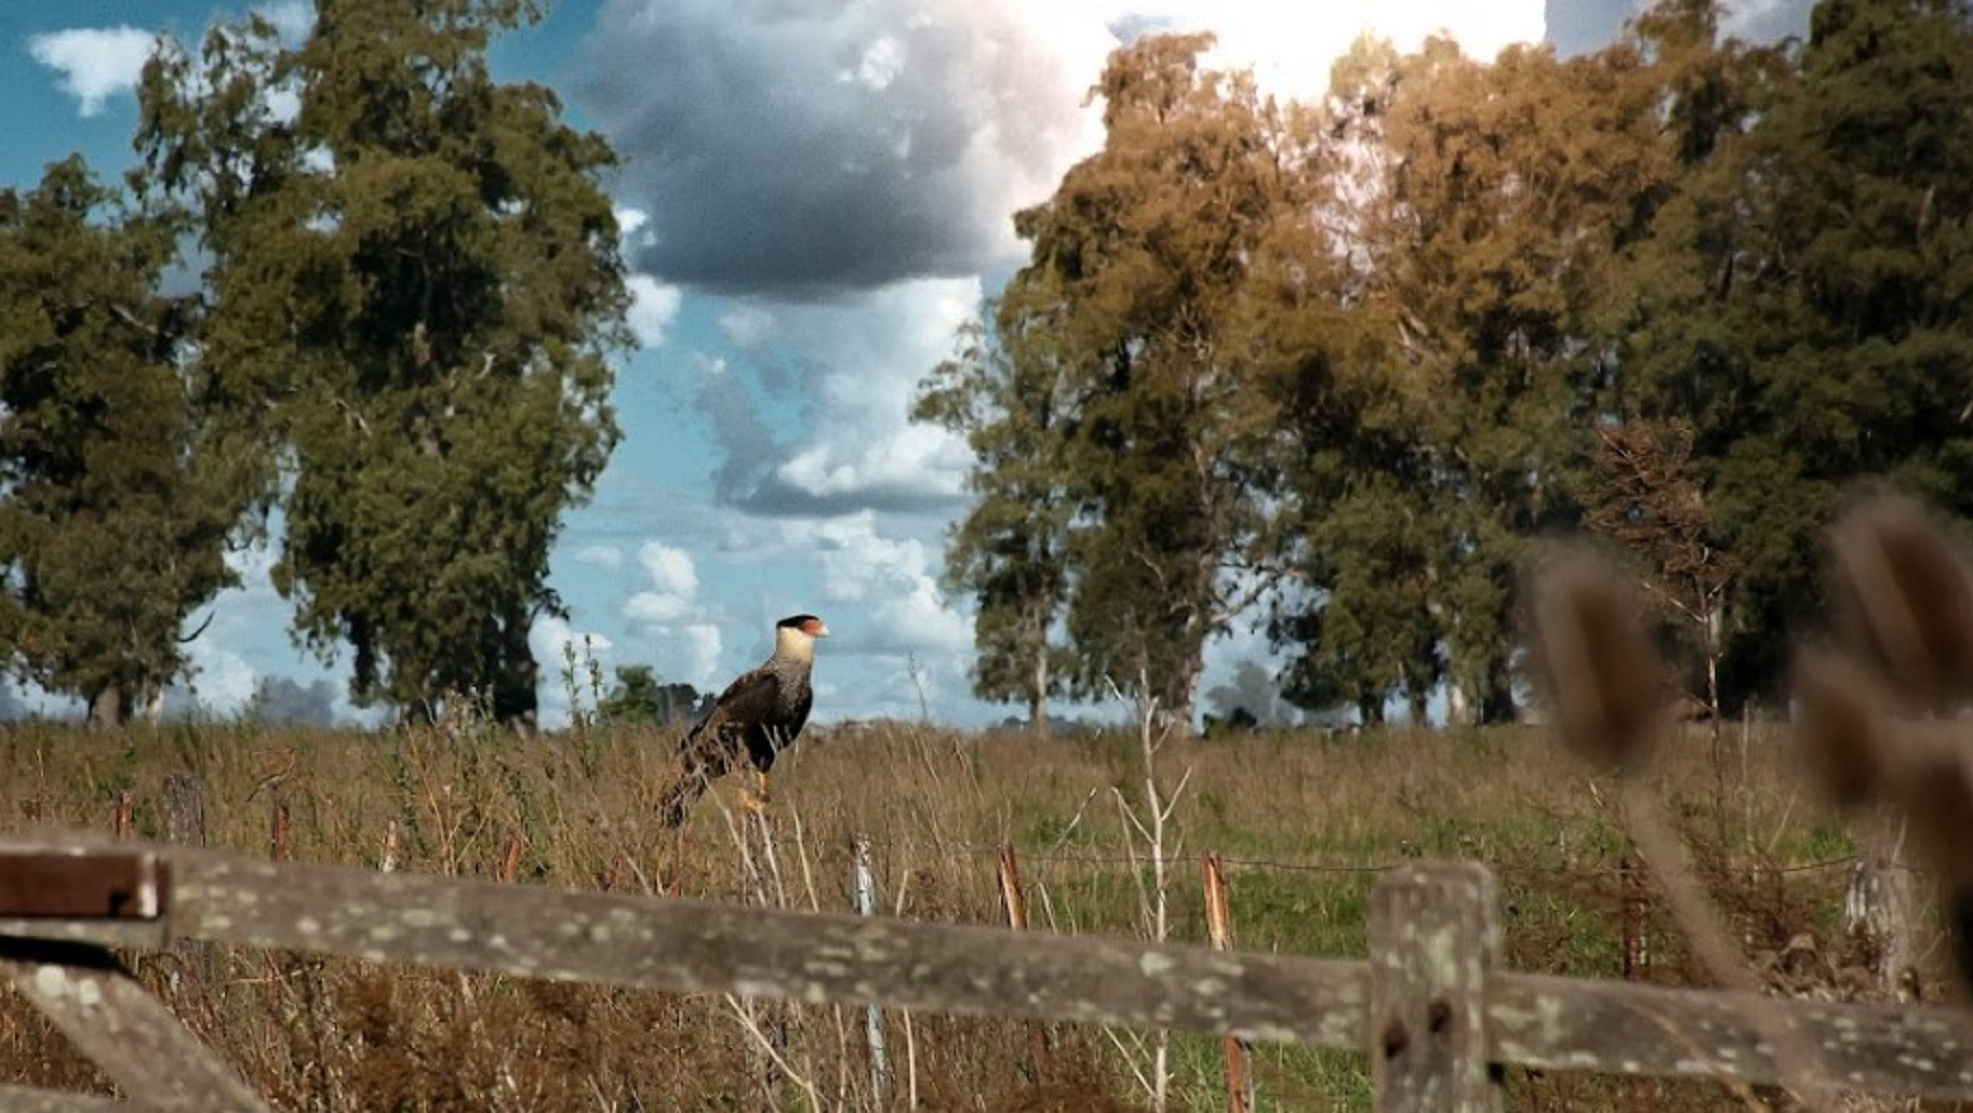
x=1303 y=821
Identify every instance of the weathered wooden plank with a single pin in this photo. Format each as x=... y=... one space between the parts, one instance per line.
x=1434 y=937
x=692 y=946
x=122 y=1028
x=26 y=861
x=1624 y=1028
x=20 y=1099
x=122 y=884
x=698 y=947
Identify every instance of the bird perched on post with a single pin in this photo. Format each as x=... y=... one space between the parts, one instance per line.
x=760 y=714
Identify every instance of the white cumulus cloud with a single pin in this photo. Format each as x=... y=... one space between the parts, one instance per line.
x=672 y=630
x=292 y=19
x=852 y=367
x=552 y=639
x=602 y=556
x=1290 y=47
x=223 y=680
x=671 y=570
x=653 y=306
x=688 y=653
x=96 y=63
x=894 y=578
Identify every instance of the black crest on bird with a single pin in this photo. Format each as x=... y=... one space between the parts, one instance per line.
x=756 y=717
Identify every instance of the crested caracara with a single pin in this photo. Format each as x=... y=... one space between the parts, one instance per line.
x=758 y=715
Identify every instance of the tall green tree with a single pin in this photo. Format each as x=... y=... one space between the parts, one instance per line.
x=415 y=274
x=1003 y=393
x=1136 y=271
x=115 y=504
x=1496 y=205
x=1374 y=633
x=1804 y=300
x=1357 y=605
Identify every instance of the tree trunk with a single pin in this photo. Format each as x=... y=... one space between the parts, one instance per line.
x=106 y=711
x=1184 y=697
x=516 y=703
x=1185 y=692
x=1497 y=699
x=1038 y=695
x=1458 y=708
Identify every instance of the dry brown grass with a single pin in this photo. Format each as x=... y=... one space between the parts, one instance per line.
x=1301 y=820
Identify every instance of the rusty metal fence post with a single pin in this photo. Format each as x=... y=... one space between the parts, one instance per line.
x=1237 y=1053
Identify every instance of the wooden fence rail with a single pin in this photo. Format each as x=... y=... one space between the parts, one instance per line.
x=1428 y=1005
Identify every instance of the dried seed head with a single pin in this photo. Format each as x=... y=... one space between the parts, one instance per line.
x=1841 y=727
x=1902 y=590
x=1596 y=663
x=1959 y=921
x=1935 y=787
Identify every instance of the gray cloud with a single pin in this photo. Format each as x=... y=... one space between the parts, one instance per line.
x=753 y=473
x=809 y=404
x=1580 y=26
x=1767 y=21
x=283 y=701
x=778 y=498
x=747 y=444
x=799 y=148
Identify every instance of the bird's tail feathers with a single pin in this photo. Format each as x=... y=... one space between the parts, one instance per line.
x=678 y=799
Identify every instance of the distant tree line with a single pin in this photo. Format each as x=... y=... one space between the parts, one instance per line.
x=1337 y=366
x=638 y=696
x=352 y=282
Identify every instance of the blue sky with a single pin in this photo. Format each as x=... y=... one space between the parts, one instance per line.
x=815 y=196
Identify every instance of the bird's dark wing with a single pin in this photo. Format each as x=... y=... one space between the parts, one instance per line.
x=718 y=738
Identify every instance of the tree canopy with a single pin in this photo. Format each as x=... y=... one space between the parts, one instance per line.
x=414 y=279
x=1120 y=460
x=118 y=498
x=1332 y=368
x=1366 y=353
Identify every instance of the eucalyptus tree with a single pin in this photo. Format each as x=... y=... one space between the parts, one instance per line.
x=1495 y=203
x=415 y=287
x=1002 y=392
x=1135 y=282
x=1804 y=298
x=116 y=499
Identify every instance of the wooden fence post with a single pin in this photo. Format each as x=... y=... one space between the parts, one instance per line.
x=184 y=808
x=1219 y=929
x=279 y=845
x=387 y=857
x=510 y=858
x=873 y=1016
x=1014 y=899
x=125 y=808
x=183 y=799
x=1636 y=898
x=1434 y=935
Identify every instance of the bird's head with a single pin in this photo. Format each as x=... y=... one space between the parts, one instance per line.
x=795 y=635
